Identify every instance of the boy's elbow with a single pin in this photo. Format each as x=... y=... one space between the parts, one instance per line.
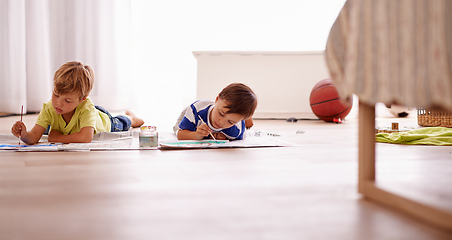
x=86 y=135
x=178 y=134
x=87 y=139
x=183 y=135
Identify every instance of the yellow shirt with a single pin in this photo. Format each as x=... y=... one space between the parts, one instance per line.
x=85 y=115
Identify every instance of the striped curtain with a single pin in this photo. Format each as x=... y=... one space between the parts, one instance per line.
x=393 y=51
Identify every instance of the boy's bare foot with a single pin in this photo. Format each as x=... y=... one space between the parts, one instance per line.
x=136 y=121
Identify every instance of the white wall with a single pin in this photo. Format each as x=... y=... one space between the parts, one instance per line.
x=165 y=33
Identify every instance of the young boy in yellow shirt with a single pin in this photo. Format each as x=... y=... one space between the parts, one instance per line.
x=70 y=114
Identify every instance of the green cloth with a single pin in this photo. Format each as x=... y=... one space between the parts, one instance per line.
x=440 y=136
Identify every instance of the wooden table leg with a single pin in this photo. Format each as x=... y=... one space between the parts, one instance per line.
x=366 y=144
x=367 y=182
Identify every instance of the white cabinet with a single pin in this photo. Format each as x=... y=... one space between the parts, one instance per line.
x=282 y=80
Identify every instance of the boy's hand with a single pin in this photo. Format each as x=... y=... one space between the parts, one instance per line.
x=219 y=136
x=19 y=129
x=202 y=131
x=53 y=136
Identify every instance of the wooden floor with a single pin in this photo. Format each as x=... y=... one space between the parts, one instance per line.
x=305 y=192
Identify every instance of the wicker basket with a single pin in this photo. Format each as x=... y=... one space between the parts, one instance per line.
x=432 y=118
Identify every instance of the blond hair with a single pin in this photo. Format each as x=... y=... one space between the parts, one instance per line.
x=74 y=77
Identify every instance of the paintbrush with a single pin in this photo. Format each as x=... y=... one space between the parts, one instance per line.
x=207 y=125
x=21 y=114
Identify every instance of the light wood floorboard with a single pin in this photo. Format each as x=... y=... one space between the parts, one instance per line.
x=304 y=192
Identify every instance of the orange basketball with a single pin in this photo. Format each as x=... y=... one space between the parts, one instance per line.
x=326 y=103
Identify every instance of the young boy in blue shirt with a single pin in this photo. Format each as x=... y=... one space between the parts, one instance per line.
x=70 y=114
x=224 y=118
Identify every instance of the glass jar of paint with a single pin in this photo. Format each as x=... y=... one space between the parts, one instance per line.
x=149 y=136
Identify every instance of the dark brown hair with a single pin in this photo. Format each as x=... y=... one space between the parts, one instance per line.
x=74 y=77
x=239 y=99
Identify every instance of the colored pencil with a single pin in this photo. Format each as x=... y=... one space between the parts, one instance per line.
x=21 y=114
x=207 y=125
